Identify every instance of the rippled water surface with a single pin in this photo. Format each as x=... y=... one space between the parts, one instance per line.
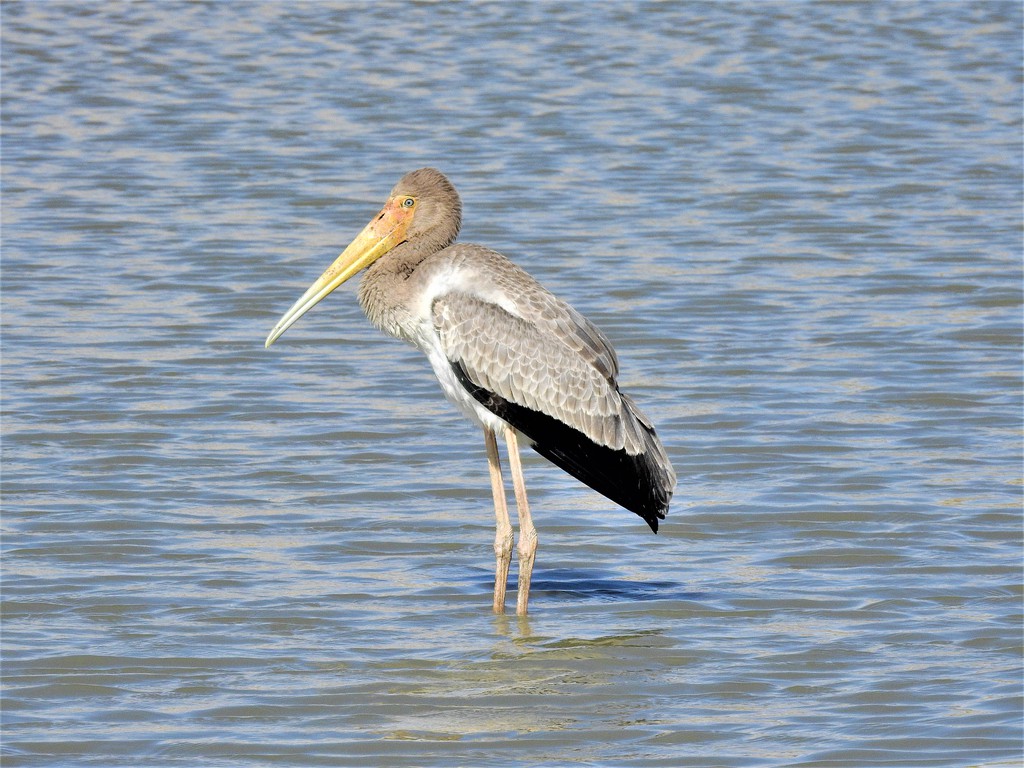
x=799 y=223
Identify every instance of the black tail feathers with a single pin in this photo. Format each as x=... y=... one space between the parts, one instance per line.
x=641 y=483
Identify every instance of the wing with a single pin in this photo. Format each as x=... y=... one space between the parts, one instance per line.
x=487 y=275
x=540 y=366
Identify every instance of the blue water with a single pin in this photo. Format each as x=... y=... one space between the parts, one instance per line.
x=800 y=224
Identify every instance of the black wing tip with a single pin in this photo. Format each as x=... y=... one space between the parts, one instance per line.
x=636 y=482
x=652 y=516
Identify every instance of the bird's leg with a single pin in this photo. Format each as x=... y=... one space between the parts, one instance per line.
x=503 y=535
x=527 y=533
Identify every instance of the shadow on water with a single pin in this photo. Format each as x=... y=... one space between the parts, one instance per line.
x=593 y=584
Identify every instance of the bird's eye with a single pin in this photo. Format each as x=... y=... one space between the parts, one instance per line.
x=408 y=202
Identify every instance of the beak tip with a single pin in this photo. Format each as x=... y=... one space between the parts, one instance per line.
x=368 y=246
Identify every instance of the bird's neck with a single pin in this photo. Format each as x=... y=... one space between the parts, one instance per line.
x=387 y=287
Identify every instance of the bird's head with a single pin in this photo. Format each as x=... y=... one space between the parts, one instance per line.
x=423 y=208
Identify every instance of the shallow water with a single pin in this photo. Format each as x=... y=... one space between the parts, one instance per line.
x=800 y=225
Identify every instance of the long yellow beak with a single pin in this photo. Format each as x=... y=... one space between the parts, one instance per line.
x=382 y=234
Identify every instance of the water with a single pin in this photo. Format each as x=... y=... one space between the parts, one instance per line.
x=799 y=223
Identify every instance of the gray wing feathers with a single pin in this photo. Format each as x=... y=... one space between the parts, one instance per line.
x=534 y=303
x=553 y=361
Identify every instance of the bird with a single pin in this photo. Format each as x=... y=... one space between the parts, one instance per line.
x=514 y=358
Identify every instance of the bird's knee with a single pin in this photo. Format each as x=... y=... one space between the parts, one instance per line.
x=503 y=543
x=527 y=544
